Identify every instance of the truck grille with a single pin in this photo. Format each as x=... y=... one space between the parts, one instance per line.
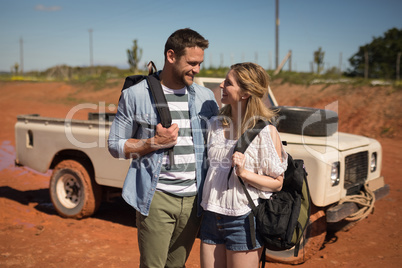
x=356 y=169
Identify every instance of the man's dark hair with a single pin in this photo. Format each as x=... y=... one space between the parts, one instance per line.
x=183 y=38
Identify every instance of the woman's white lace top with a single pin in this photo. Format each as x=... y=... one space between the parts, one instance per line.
x=225 y=196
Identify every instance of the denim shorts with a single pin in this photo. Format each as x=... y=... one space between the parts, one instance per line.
x=233 y=231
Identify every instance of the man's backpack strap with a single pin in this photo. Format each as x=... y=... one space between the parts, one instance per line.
x=159 y=99
x=162 y=107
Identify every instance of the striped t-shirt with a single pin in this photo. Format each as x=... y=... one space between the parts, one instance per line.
x=180 y=179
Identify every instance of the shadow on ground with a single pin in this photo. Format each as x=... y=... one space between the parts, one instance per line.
x=115 y=210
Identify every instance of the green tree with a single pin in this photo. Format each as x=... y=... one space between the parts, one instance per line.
x=382 y=56
x=319 y=59
x=15 y=68
x=134 y=56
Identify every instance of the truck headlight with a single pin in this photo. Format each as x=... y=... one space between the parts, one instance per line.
x=335 y=173
x=373 y=162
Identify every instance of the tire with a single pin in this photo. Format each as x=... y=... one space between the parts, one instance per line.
x=73 y=192
x=314 y=239
x=306 y=121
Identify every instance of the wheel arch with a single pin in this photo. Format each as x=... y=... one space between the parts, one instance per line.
x=76 y=155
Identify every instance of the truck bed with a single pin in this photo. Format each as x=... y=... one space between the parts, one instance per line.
x=41 y=142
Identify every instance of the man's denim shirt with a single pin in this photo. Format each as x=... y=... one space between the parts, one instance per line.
x=136 y=118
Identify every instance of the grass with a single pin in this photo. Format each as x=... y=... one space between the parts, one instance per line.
x=99 y=77
x=96 y=83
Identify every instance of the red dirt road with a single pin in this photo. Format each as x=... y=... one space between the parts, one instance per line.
x=33 y=235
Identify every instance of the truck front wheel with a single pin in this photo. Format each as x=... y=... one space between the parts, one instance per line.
x=314 y=238
x=73 y=192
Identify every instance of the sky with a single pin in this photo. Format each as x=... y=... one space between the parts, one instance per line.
x=44 y=33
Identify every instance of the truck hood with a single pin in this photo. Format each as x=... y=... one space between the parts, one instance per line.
x=339 y=140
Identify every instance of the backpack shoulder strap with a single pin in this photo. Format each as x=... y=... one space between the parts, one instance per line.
x=246 y=139
x=161 y=105
x=241 y=146
x=248 y=136
x=160 y=100
x=156 y=90
x=163 y=109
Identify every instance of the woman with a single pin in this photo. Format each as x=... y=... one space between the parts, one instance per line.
x=225 y=228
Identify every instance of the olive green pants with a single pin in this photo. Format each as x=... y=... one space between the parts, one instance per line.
x=167 y=234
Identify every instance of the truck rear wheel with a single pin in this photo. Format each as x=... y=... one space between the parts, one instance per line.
x=314 y=238
x=73 y=192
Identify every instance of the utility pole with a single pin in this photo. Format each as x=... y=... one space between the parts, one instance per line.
x=398 y=65
x=270 y=60
x=290 y=61
x=211 y=65
x=366 y=64
x=91 y=59
x=21 y=56
x=277 y=34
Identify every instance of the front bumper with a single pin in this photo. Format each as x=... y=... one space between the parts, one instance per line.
x=341 y=211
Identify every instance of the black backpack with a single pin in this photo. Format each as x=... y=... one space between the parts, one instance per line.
x=155 y=87
x=282 y=219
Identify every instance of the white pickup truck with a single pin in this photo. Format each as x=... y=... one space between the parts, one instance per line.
x=339 y=165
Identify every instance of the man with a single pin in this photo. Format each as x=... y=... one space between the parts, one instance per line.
x=164 y=195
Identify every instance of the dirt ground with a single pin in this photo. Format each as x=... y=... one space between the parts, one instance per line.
x=33 y=235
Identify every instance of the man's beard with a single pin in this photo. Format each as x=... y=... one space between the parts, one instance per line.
x=181 y=76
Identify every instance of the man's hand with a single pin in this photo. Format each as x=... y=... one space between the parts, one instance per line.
x=165 y=137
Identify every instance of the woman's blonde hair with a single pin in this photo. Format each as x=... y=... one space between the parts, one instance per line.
x=253 y=80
